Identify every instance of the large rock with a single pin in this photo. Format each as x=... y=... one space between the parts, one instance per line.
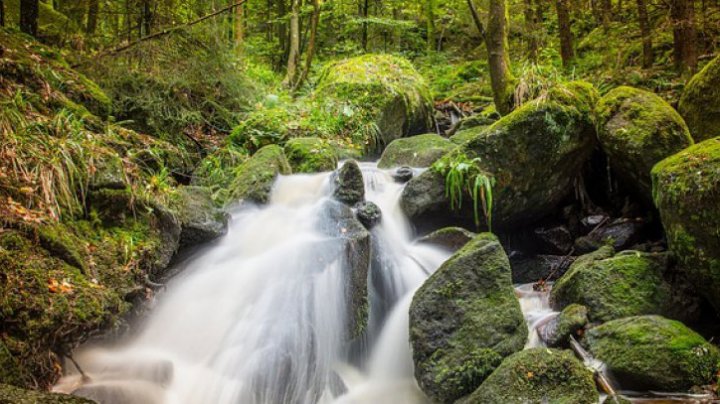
x=568 y=323
x=253 y=179
x=613 y=286
x=464 y=320
x=685 y=189
x=384 y=88
x=700 y=102
x=636 y=129
x=415 y=151
x=349 y=184
x=310 y=155
x=538 y=375
x=451 y=238
x=200 y=219
x=534 y=154
x=15 y=395
x=653 y=353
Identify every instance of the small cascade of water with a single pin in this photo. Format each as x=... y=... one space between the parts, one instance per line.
x=535 y=305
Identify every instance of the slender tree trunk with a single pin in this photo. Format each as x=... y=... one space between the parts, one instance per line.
x=239 y=28
x=476 y=19
x=2 y=13
x=310 y=53
x=29 y=12
x=566 y=46
x=606 y=13
x=430 y=24
x=501 y=78
x=283 y=32
x=294 y=55
x=682 y=15
x=645 y=33
x=531 y=26
x=146 y=18
x=92 y=16
x=365 y=9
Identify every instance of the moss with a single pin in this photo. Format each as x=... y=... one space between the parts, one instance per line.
x=627 y=284
x=569 y=323
x=14 y=395
x=262 y=128
x=685 y=190
x=466 y=134
x=538 y=375
x=637 y=129
x=700 y=102
x=652 y=352
x=310 y=155
x=464 y=320
x=253 y=179
x=452 y=238
x=415 y=151
x=53 y=26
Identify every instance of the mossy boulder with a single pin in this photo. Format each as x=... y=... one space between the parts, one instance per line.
x=653 y=353
x=636 y=129
x=538 y=375
x=464 y=135
x=200 y=219
x=685 y=189
x=254 y=178
x=569 y=323
x=534 y=154
x=386 y=89
x=464 y=320
x=700 y=102
x=628 y=283
x=415 y=151
x=15 y=395
x=310 y=155
x=451 y=238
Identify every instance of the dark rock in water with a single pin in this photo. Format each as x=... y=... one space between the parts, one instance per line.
x=452 y=238
x=620 y=234
x=424 y=195
x=16 y=395
x=464 y=320
x=619 y=285
x=169 y=229
x=201 y=220
x=653 y=353
x=532 y=268
x=403 y=174
x=349 y=184
x=368 y=213
x=131 y=391
x=538 y=375
x=555 y=240
x=570 y=322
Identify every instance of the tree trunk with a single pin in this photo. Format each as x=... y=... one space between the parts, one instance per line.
x=29 y=12
x=498 y=59
x=606 y=13
x=146 y=18
x=294 y=55
x=282 y=32
x=2 y=14
x=92 y=16
x=430 y=24
x=682 y=16
x=531 y=26
x=566 y=47
x=310 y=53
x=239 y=28
x=645 y=33
x=364 y=11
x=476 y=19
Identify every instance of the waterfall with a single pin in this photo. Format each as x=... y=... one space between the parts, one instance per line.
x=261 y=315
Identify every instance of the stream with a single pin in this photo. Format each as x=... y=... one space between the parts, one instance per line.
x=260 y=315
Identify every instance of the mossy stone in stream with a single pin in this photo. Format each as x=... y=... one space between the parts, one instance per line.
x=636 y=129
x=700 y=102
x=15 y=395
x=685 y=189
x=464 y=320
x=349 y=184
x=569 y=323
x=415 y=151
x=310 y=155
x=626 y=284
x=201 y=220
x=451 y=238
x=653 y=353
x=538 y=375
x=534 y=154
x=253 y=179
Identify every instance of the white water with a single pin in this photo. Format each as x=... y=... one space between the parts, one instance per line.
x=260 y=316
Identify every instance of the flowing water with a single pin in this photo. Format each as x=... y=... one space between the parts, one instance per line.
x=261 y=315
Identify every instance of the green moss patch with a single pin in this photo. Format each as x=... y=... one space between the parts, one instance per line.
x=700 y=102
x=415 y=151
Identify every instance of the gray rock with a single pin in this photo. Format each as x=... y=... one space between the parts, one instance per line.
x=403 y=174
x=349 y=184
x=451 y=238
x=201 y=220
x=368 y=213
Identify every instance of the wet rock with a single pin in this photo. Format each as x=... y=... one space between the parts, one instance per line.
x=621 y=234
x=538 y=375
x=593 y=221
x=403 y=174
x=451 y=238
x=464 y=320
x=349 y=184
x=15 y=395
x=686 y=189
x=415 y=151
x=699 y=102
x=534 y=154
x=253 y=179
x=201 y=220
x=637 y=129
x=368 y=213
x=554 y=240
x=131 y=391
x=109 y=173
x=532 y=268
x=310 y=155
x=613 y=286
x=570 y=322
x=653 y=353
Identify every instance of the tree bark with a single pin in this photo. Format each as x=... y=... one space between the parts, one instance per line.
x=566 y=47
x=239 y=28
x=310 y=53
x=29 y=13
x=364 y=12
x=145 y=18
x=294 y=54
x=498 y=59
x=430 y=24
x=645 y=33
x=92 y=16
x=682 y=16
x=2 y=13
x=531 y=26
x=606 y=13
x=476 y=19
